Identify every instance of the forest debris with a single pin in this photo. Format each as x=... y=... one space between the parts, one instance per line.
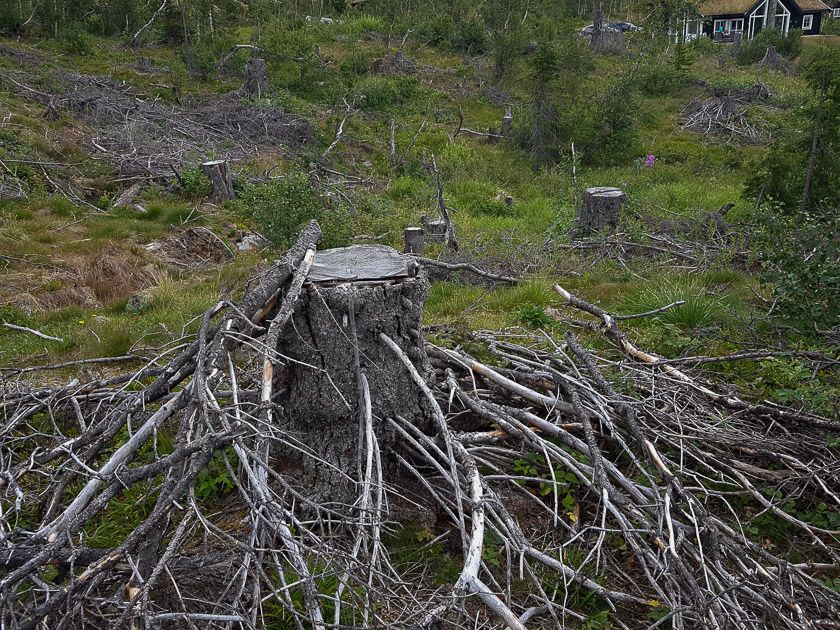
x=251 y=241
x=655 y=464
x=32 y=331
x=772 y=60
x=725 y=116
x=128 y=196
x=145 y=139
x=191 y=248
x=393 y=63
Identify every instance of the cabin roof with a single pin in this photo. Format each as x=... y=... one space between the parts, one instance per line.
x=732 y=7
x=725 y=7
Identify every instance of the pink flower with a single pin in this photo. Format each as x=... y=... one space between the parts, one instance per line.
x=650 y=160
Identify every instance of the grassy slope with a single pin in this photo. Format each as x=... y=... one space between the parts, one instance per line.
x=693 y=175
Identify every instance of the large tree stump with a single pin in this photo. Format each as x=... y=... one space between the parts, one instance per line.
x=256 y=78
x=352 y=295
x=221 y=177
x=601 y=209
x=774 y=61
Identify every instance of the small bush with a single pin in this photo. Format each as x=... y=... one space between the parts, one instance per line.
x=358 y=63
x=383 y=93
x=534 y=316
x=700 y=309
x=283 y=207
x=788 y=46
x=705 y=47
x=76 y=41
x=194 y=183
x=437 y=30
x=660 y=76
x=800 y=255
x=470 y=37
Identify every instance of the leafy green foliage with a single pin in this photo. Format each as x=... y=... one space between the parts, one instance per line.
x=194 y=184
x=803 y=268
x=385 y=93
x=76 y=41
x=535 y=316
x=214 y=480
x=753 y=50
x=283 y=207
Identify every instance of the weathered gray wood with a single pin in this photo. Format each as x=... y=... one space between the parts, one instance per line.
x=332 y=339
x=414 y=240
x=361 y=263
x=601 y=209
x=221 y=177
x=507 y=122
x=256 y=78
x=434 y=230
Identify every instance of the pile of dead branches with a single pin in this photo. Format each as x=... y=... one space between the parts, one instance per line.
x=725 y=116
x=146 y=138
x=642 y=486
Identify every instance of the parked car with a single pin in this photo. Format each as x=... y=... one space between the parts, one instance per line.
x=623 y=27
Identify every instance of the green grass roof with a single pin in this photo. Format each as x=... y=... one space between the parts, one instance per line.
x=728 y=7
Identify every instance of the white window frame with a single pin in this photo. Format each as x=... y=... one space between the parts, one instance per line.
x=760 y=16
x=807 y=22
x=730 y=25
x=835 y=13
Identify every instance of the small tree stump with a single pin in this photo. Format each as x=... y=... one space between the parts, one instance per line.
x=256 y=78
x=219 y=174
x=144 y=64
x=774 y=61
x=434 y=230
x=507 y=122
x=601 y=208
x=414 y=240
x=736 y=43
x=352 y=295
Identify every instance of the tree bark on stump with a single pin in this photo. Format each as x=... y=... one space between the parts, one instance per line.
x=414 y=240
x=507 y=122
x=353 y=294
x=601 y=209
x=434 y=230
x=256 y=78
x=221 y=177
x=774 y=61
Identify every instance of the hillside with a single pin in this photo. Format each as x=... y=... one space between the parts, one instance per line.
x=624 y=429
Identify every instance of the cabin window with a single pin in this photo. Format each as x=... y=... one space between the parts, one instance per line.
x=807 y=22
x=734 y=25
x=835 y=13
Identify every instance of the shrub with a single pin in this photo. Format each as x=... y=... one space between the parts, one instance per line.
x=383 y=93
x=705 y=47
x=659 y=76
x=800 y=256
x=615 y=140
x=439 y=30
x=535 y=316
x=76 y=41
x=470 y=37
x=788 y=46
x=283 y=207
x=831 y=27
x=194 y=183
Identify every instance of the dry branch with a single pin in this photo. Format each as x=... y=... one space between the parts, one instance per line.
x=674 y=470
